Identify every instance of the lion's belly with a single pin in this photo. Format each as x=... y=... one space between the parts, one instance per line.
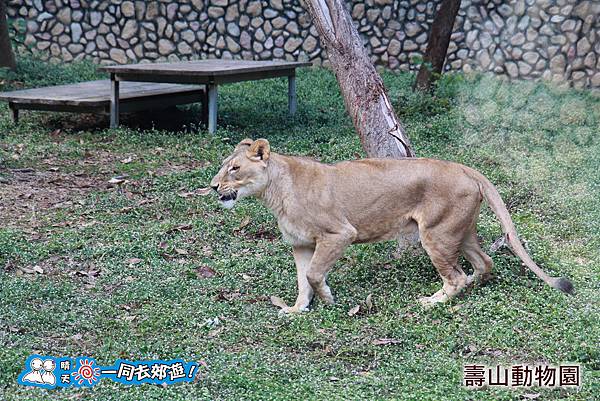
x=385 y=229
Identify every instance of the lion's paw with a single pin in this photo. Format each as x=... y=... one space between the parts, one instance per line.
x=428 y=302
x=291 y=310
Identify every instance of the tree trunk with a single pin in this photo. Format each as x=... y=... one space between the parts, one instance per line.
x=7 y=57
x=365 y=97
x=437 y=45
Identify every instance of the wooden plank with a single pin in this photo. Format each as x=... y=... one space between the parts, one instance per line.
x=93 y=93
x=128 y=106
x=201 y=79
x=207 y=68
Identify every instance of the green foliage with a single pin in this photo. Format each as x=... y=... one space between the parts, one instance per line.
x=31 y=73
x=123 y=269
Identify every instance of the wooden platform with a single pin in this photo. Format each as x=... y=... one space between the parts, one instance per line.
x=212 y=73
x=95 y=97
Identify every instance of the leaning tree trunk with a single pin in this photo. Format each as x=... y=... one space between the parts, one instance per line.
x=366 y=100
x=437 y=45
x=7 y=57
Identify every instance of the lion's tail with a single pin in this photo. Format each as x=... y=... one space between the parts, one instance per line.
x=491 y=195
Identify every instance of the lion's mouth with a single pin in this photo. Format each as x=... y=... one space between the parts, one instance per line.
x=228 y=197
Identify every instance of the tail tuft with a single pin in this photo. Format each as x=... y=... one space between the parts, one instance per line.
x=564 y=285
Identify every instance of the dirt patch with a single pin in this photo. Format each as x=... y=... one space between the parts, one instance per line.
x=29 y=196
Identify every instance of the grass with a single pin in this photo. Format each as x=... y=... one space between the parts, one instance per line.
x=122 y=269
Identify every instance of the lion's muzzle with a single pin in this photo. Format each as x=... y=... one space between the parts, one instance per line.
x=228 y=196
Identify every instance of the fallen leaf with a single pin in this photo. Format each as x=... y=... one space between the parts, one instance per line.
x=369 y=302
x=244 y=223
x=531 y=396
x=471 y=348
x=259 y=298
x=92 y=273
x=354 y=310
x=205 y=272
x=333 y=379
x=180 y=251
x=145 y=201
x=180 y=227
x=127 y=160
x=228 y=295
x=197 y=192
x=204 y=191
x=215 y=332
x=116 y=181
x=38 y=269
x=26 y=270
x=386 y=341
x=246 y=277
x=498 y=244
x=134 y=261
x=163 y=245
x=278 y=302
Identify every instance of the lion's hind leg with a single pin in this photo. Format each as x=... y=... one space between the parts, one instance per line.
x=481 y=262
x=443 y=252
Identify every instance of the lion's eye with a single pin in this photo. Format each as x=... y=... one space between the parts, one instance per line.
x=235 y=168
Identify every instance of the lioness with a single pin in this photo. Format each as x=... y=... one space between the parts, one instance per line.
x=322 y=208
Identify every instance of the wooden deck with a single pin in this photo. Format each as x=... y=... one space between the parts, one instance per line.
x=95 y=97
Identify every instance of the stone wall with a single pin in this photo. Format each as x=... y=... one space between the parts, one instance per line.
x=556 y=40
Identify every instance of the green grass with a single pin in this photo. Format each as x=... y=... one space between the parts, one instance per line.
x=538 y=144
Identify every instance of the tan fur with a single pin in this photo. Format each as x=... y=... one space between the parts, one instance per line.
x=321 y=209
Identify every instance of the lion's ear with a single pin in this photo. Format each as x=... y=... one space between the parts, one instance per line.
x=259 y=150
x=244 y=143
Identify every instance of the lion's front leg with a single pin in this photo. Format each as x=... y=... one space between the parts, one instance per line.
x=302 y=257
x=327 y=252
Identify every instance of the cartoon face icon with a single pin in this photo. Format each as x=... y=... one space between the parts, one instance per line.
x=49 y=365
x=36 y=364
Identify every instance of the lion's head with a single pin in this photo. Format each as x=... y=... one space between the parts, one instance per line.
x=243 y=173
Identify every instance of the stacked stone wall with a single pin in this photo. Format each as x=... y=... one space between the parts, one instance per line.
x=556 y=40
